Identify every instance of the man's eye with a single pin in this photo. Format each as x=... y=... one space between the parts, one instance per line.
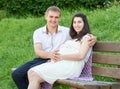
x=51 y=16
x=56 y=17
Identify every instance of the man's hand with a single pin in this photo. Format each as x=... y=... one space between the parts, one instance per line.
x=92 y=40
x=54 y=56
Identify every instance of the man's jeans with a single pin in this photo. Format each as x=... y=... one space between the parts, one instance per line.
x=20 y=74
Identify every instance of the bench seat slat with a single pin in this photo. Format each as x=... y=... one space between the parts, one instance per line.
x=106 y=72
x=107 y=46
x=114 y=85
x=106 y=59
x=70 y=83
x=89 y=84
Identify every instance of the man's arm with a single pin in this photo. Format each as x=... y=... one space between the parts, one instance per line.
x=41 y=53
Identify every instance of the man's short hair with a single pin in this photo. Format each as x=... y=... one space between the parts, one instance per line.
x=53 y=8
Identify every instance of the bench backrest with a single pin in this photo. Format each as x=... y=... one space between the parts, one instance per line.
x=106 y=53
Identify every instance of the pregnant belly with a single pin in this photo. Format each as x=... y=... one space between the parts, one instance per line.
x=68 y=51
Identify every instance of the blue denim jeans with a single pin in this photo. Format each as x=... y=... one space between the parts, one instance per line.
x=19 y=76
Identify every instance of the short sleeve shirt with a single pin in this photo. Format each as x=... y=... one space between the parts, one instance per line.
x=51 y=42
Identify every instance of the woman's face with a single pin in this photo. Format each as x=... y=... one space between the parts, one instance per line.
x=78 y=24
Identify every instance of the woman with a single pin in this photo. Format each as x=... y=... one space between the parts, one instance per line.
x=69 y=61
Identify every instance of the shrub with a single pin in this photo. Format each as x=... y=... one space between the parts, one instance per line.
x=2 y=14
x=38 y=7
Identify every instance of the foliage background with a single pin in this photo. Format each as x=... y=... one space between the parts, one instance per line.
x=16 y=43
x=37 y=7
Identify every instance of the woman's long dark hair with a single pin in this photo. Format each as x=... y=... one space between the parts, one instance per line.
x=85 y=29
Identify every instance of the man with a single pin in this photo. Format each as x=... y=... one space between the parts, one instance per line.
x=47 y=40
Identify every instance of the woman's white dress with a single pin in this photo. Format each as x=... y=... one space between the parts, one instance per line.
x=64 y=69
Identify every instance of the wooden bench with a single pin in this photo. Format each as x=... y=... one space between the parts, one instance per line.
x=106 y=63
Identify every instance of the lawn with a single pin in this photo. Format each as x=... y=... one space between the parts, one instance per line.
x=16 y=42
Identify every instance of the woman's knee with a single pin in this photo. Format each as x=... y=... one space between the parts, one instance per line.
x=34 y=76
x=31 y=73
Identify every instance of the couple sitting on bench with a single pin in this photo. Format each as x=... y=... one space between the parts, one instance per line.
x=68 y=62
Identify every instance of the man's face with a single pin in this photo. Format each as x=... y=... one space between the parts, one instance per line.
x=52 y=18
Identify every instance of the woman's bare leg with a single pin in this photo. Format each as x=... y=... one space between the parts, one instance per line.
x=34 y=80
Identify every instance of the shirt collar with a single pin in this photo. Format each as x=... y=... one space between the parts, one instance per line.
x=46 y=31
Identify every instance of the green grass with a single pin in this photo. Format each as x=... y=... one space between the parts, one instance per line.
x=16 y=43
